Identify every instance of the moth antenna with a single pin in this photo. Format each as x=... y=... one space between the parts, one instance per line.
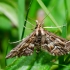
x=28 y=28
x=48 y=13
x=31 y=19
x=30 y=23
x=55 y=27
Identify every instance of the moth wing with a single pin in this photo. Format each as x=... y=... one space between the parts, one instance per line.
x=55 y=44
x=25 y=47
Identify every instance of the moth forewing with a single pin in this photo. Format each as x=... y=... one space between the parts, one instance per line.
x=56 y=44
x=67 y=46
x=25 y=47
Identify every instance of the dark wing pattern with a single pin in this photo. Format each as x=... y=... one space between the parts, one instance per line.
x=47 y=41
x=55 y=45
x=26 y=47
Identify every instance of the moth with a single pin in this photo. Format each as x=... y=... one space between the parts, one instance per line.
x=41 y=39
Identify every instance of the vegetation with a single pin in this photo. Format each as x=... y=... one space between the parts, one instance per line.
x=13 y=14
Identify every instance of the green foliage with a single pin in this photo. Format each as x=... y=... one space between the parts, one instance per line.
x=34 y=62
x=12 y=14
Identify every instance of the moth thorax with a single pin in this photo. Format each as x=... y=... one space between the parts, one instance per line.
x=40 y=31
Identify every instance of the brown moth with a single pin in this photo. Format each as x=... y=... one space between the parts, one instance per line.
x=41 y=39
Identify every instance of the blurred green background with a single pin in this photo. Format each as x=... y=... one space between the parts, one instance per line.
x=12 y=18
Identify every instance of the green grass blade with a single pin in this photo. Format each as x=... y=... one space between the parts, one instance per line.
x=64 y=31
x=9 y=12
x=21 y=8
